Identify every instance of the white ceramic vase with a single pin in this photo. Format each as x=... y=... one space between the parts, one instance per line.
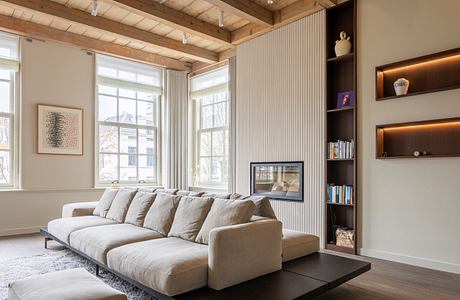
x=342 y=46
x=401 y=86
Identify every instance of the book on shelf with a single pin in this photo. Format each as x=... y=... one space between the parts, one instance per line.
x=340 y=150
x=340 y=194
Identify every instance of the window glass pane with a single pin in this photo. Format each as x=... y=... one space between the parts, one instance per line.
x=4 y=133
x=127 y=111
x=147 y=141
x=102 y=89
x=128 y=140
x=105 y=71
x=146 y=168
x=145 y=79
x=145 y=96
x=204 y=170
x=146 y=112
x=220 y=114
x=129 y=76
x=5 y=170
x=5 y=74
x=217 y=170
x=218 y=143
x=205 y=144
x=206 y=116
x=127 y=93
x=226 y=142
x=128 y=168
x=206 y=100
x=5 y=96
x=108 y=165
x=108 y=139
x=107 y=108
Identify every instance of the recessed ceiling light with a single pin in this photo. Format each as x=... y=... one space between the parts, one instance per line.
x=95 y=7
x=221 y=18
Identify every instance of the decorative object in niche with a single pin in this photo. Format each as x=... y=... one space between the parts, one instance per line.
x=346 y=99
x=344 y=237
x=416 y=153
x=401 y=86
x=342 y=46
x=60 y=130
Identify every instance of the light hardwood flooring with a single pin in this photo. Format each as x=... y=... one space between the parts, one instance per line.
x=386 y=280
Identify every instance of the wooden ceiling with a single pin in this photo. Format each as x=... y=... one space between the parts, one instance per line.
x=151 y=30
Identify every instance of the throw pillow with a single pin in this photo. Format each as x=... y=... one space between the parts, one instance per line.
x=225 y=212
x=105 y=202
x=236 y=196
x=139 y=208
x=120 y=205
x=189 y=218
x=161 y=214
x=217 y=195
x=263 y=206
x=167 y=191
x=189 y=193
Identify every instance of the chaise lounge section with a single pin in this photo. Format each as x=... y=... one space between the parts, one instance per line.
x=173 y=242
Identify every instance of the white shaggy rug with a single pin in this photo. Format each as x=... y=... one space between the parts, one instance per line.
x=18 y=268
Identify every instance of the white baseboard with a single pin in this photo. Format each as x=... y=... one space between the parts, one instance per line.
x=412 y=260
x=17 y=231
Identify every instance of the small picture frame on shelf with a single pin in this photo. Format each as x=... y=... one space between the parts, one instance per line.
x=345 y=99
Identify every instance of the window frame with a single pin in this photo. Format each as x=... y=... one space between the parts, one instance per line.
x=119 y=125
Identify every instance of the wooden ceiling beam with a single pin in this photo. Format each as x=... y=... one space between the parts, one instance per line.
x=246 y=9
x=286 y=15
x=176 y=19
x=34 y=30
x=78 y=16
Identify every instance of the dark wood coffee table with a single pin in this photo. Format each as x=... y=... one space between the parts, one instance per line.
x=302 y=278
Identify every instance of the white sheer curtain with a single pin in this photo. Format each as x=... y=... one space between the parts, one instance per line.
x=176 y=114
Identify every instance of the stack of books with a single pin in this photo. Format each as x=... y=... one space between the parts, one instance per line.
x=340 y=150
x=340 y=194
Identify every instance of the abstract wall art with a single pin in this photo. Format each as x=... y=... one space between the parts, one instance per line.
x=60 y=130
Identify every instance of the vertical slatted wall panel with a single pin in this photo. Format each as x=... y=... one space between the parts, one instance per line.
x=280 y=113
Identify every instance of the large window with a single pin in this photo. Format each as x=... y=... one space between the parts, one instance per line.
x=128 y=96
x=9 y=66
x=211 y=106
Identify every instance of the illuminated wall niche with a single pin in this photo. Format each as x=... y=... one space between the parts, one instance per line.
x=427 y=74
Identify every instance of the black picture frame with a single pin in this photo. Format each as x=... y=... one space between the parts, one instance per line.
x=299 y=164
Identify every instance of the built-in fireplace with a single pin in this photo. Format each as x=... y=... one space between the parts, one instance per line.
x=277 y=180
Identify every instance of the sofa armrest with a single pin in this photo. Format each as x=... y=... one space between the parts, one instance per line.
x=242 y=252
x=78 y=209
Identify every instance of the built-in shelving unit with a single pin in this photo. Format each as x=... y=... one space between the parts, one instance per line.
x=426 y=74
x=341 y=122
x=432 y=138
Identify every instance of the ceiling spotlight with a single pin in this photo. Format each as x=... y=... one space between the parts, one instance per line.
x=95 y=7
x=269 y=2
x=221 y=18
x=184 y=38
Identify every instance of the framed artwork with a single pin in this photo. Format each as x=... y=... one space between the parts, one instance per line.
x=346 y=99
x=60 y=130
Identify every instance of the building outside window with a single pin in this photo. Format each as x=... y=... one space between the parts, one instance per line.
x=128 y=105
x=211 y=113
x=9 y=67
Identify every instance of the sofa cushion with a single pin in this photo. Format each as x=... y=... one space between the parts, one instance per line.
x=296 y=244
x=105 y=202
x=170 y=266
x=78 y=209
x=189 y=218
x=139 y=208
x=263 y=206
x=216 y=195
x=236 y=196
x=120 y=205
x=225 y=212
x=97 y=241
x=62 y=228
x=167 y=191
x=161 y=214
x=189 y=193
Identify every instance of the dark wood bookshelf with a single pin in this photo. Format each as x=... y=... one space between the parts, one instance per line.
x=426 y=74
x=341 y=122
x=438 y=138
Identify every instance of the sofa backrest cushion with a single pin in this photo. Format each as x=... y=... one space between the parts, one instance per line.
x=217 y=195
x=189 y=218
x=263 y=206
x=139 y=207
x=120 y=205
x=189 y=193
x=161 y=214
x=167 y=191
x=225 y=212
x=236 y=196
x=105 y=202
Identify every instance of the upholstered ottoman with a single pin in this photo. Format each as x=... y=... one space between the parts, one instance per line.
x=70 y=284
x=297 y=244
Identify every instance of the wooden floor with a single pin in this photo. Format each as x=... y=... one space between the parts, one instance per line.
x=386 y=280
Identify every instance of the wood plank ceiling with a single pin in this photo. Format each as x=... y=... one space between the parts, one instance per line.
x=152 y=30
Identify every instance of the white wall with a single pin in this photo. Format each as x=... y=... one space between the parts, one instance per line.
x=56 y=75
x=280 y=113
x=409 y=208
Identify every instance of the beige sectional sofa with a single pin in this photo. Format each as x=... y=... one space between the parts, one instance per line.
x=176 y=241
